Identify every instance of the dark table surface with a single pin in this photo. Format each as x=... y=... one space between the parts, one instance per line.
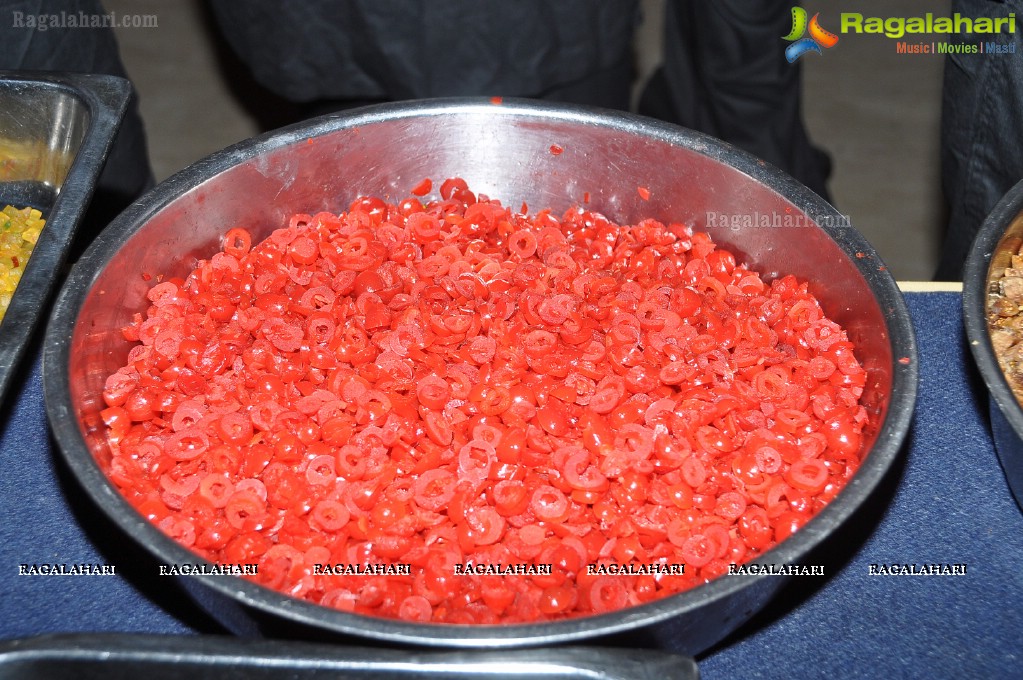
x=946 y=503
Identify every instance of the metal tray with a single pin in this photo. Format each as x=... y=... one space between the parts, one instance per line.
x=117 y=656
x=55 y=133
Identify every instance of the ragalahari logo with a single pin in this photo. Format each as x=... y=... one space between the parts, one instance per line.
x=817 y=39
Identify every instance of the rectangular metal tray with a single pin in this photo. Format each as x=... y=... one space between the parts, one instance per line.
x=55 y=133
x=124 y=656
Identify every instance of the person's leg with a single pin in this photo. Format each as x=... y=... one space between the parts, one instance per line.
x=725 y=74
x=981 y=135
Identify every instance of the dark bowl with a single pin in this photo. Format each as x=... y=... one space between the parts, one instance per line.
x=1000 y=237
x=503 y=149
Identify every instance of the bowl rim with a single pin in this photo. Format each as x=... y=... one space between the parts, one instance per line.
x=892 y=430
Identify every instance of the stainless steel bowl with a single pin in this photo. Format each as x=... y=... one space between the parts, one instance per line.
x=503 y=149
x=999 y=238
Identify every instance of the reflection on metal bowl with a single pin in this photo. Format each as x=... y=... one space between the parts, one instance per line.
x=502 y=150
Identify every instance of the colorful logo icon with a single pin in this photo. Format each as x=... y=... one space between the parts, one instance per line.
x=817 y=39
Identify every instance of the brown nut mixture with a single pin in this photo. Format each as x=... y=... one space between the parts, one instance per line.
x=1005 y=319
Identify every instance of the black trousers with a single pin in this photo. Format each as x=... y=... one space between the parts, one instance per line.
x=981 y=133
x=725 y=73
x=387 y=50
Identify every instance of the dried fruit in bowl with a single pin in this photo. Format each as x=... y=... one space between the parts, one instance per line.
x=19 y=231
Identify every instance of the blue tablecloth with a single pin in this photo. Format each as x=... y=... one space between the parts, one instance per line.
x=949 y=504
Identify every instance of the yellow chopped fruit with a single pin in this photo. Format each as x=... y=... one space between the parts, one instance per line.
x=19 y=231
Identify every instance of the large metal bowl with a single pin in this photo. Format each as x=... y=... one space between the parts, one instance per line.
x=999 y=238
x=504 y=150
